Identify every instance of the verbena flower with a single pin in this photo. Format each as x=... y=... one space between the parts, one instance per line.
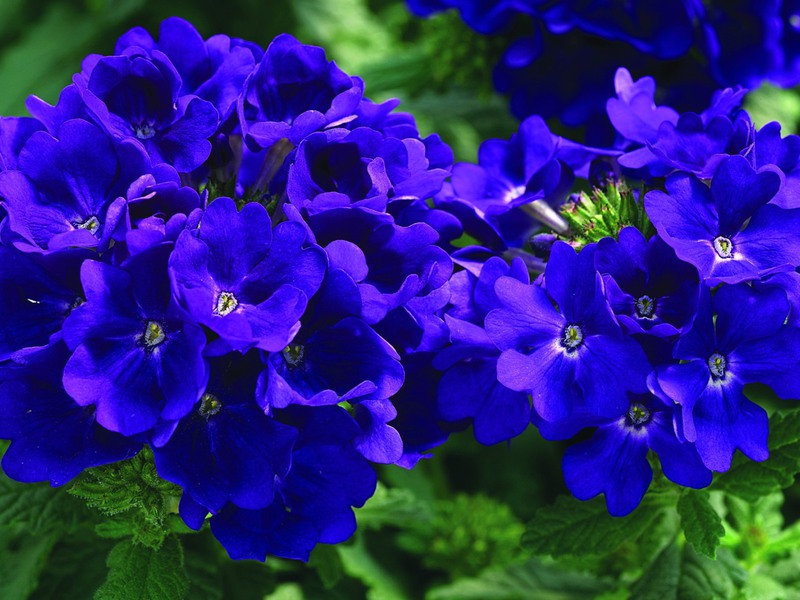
x=53 y=438
x=295 y=91
x=227 y=449
x=133 y=357
x=243 y=281
x=614 y=461
x=469 y=388
x=649 y=289
x=70 y=191
x=313 y=503
x=562 y=344
x=734 y=341
x=730 y=232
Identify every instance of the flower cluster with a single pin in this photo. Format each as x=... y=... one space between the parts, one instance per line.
x=224 y=253
x=678 y=299
x=688 y=44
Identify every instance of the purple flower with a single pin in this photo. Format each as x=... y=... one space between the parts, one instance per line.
x=469 y=387
x=649 y=289
x=731 y=232
x=138 y=96
x=293 y=92
x=516 y=184
x=312 y=503
x=227 y=449
x=70 y=191
x=214 y=69
x=747 y=342
x=52 y=437
x=38 y=292
x=614 y=461
x=334 y=357
x=634 y=113
x=391 y=264
x=243 y=280
x=14 y=132
x=134 y=358
x=339 y=168
x=770 y=149
x=571 y=358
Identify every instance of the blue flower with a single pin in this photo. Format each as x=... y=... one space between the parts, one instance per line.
x=14 y=132
x=70 y=191
x=293 y=92
x=244 y=281
x=469 y=387
x=363 y=168
x=227 y=449
x=731 y=233
x=138 y=96
x=517 y=184
x=312 y=503
x=38 y=292
x=134 y=358
x=747 y=342
x=649 y=289
x=614 y=461
x=391 y=264
x=214 y=69
x=53 y=438
x=334 y=357
x=563 y=345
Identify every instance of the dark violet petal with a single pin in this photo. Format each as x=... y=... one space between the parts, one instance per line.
x=679 y=460
x=527 y=316
x=378 y=441
x=613 y=462
x=726 y=421
x=471 y=390
x=738 y=191
x=121 y=381
x=745 y=314
x=771 y=242
x=684 y=384
x=52 y=438
x=773 y=360
x=231 y=456
x=548 y=374
x=184 y=144
x=608 y=368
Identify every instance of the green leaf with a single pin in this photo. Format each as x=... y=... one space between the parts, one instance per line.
x=574 y=528
x=23 y=558
x=137 y=572
x=686 y=575
x=531 y=579
x=752 y=480
x=287 y=591
x=74 y=568
x=702 y=577
x=763 y=587
x=661 y=578
x=137 y=500
x=38 y=506
x=701 y=524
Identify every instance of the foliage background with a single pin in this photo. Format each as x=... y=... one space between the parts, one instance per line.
x=453 y=527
